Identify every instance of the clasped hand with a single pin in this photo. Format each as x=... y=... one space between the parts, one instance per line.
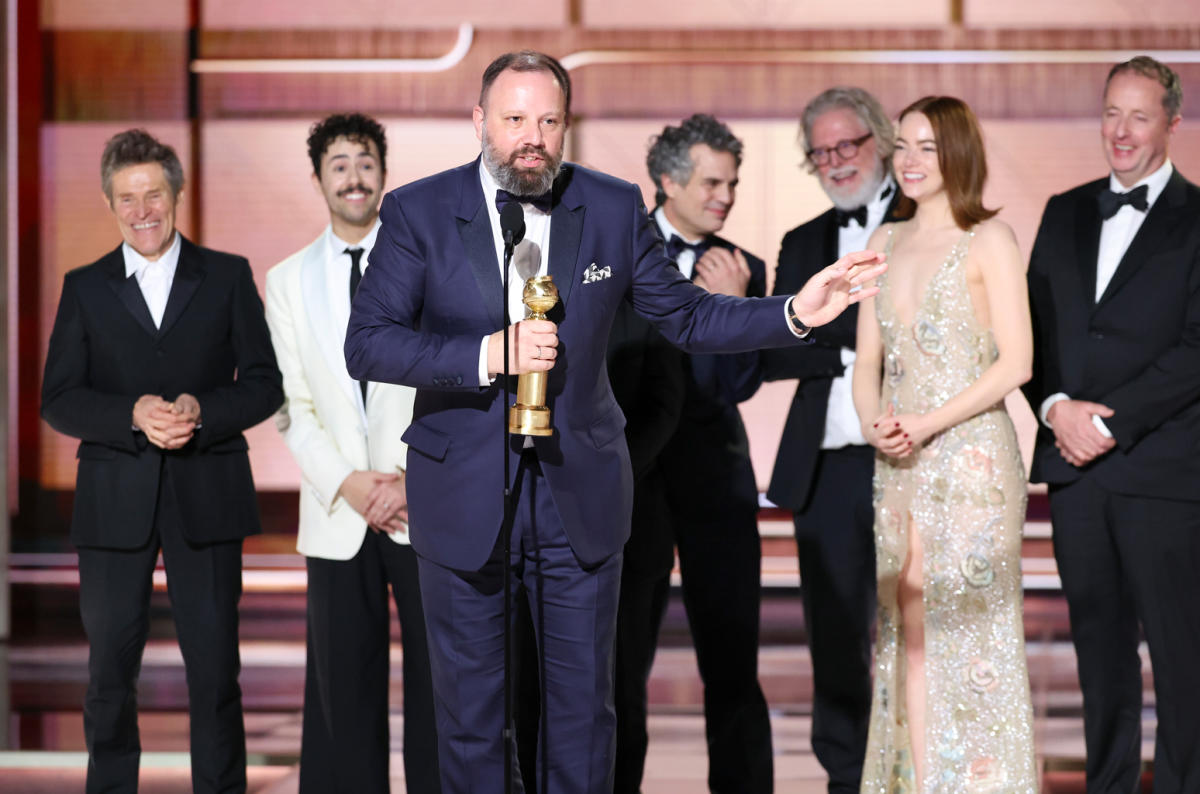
x=1078 y=439
x=897 y=435
x=723 y=272
x=380 y=498
x=167 y=425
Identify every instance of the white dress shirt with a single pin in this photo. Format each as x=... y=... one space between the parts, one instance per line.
x=337 y=272
x=686 y=261
x=1116 y=233
x=154 y=278
x=536 y=243
x=843 y=428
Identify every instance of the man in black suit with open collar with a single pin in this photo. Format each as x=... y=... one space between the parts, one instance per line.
x=824 y=466
x=159 y=359
x=709 y=483
x=1114 y=285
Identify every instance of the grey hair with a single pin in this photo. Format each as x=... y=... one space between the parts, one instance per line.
x=670 y=151
x=1160 y=73
x=138 y=147
x=860 y=102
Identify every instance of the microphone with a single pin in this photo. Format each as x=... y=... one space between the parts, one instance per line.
x=527 y=259
x=512 y=225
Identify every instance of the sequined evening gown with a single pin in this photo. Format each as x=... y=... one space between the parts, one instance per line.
x=964 y=493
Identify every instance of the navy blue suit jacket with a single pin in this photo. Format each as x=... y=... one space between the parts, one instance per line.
x=433 y=291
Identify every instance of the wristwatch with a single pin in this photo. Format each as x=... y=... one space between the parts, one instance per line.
x=798 y=325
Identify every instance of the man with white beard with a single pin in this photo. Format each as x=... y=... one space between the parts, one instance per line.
x=824 y=466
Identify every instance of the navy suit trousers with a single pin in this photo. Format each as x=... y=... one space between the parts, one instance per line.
x=574 y=611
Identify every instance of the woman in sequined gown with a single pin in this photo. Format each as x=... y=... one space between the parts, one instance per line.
x=939 y=347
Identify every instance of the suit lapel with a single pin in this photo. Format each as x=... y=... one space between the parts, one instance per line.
x=475 y=231
x=128 y=291
x=829 y=242
x=1087 y=244
x=313 y=286
x=1154 y=229
x=189 y=272
x=566 y=230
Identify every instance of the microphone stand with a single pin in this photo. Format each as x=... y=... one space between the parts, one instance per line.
x=506 y=531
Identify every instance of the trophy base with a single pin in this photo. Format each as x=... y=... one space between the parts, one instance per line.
x=529 y=420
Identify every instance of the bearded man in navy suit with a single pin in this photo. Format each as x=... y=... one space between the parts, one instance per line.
x=429 y=313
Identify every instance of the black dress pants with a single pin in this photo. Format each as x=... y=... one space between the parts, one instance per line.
x=204 y=583
x=645 y=588
x=720 y=564
x=1124 y=561
x=836 y=549
x=345 y=742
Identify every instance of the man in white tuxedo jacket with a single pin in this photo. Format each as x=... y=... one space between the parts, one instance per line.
x=345 y=436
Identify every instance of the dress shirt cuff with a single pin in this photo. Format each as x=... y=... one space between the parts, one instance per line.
x=1101 y=427
x=787 y=318
x=1047 y=403
x=484 y=380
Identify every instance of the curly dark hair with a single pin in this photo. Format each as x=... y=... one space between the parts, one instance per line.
x=671 y=150
x=352 y=126
x=137 y=147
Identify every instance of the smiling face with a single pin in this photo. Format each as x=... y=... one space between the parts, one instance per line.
x=145 y=208
x=351 y=181
x=1135 y=129
x=850 y=182
x=522 y=128
x=700 y=207
x=916 y=158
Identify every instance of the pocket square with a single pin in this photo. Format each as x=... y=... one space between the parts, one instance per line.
x=594 y=273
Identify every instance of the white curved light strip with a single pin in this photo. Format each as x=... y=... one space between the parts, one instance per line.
x=578 y=60
x=466 y=34
x=583 y=58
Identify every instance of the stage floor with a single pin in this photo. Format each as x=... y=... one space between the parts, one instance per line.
x=44 y=669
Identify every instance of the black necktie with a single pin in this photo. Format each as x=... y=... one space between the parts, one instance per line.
x=355 y=277
x=845 y=216
x=677 y=245
x=542 y=202
x=1110 y=202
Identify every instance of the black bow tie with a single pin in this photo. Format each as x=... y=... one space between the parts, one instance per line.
x=677 y=245
x=542 y=202
x=1110 y=202
x=845 y=216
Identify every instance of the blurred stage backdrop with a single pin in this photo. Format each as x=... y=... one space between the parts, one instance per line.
x=234 y=85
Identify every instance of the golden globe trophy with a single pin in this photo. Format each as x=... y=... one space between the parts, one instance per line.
x=529 y=415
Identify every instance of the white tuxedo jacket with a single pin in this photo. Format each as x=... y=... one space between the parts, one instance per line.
x=322 y=418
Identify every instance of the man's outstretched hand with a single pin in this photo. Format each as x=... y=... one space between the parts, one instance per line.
x=829 y=292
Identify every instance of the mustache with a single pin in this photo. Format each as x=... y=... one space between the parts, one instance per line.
x=359 y=188
x=528 y=149
x=842 y=171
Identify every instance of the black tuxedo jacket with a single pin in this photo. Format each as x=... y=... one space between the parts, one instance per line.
x=804 y=251
x=105 y=353
x=709 y=455
x=1136 y=350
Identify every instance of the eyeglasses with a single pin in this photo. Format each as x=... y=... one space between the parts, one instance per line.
x=845 y=150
